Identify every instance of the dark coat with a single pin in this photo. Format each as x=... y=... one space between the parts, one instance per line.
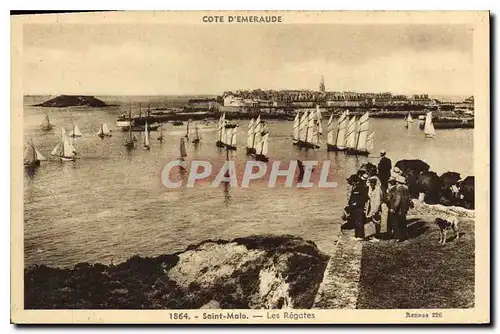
x=359 y=196
x=398 y=199
x=384 y=168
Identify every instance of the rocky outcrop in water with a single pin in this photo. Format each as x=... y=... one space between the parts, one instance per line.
x=62 y=101
x=262 y=271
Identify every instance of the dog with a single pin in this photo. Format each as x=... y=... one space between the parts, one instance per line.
x=450 y=223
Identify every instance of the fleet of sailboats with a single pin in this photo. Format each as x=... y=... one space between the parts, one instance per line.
x=308 y=130
x=350 y=134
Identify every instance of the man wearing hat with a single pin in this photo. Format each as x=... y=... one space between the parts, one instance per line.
x=384 y=169
x=357 y=202
x=398 y=202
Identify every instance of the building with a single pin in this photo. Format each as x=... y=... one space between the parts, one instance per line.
x=322 y=88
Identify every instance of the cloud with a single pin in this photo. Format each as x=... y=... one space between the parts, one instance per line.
x=166 y=59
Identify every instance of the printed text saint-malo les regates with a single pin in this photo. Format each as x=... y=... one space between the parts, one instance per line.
x=242 y=19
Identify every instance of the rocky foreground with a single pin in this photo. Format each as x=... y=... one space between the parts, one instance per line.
x=62 y=101
x=262 y=271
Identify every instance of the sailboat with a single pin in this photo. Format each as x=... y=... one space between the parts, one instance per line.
x=46 y=125
x=296 y=128
x=429 y=130
x=146 y=137
x=351 y=135
x=130 y=141
x=312 y=133
x=319 y=119
x=336 y=142
x=32 y=156
x=221 y=130
x=75 y=132
x=362 y=137
x=196 y=139
x=250 y=136
x=104 y=131
x=64 y=149
x=230 y=138
x=262 y=149
x=182 y=149
x=408 y=120
x=160 y=138
x=303 y=129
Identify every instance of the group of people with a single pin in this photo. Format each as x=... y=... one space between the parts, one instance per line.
x=374 y=197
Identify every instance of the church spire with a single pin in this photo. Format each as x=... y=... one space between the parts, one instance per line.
x=322 y=85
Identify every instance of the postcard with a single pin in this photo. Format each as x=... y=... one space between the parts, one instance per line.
x=255 y=167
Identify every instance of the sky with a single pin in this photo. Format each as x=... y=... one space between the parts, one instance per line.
x=163 y=59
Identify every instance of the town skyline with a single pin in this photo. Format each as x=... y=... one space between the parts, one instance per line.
x=125 y=59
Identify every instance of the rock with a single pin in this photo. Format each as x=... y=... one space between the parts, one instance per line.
x=72 y=101
x=264 y=271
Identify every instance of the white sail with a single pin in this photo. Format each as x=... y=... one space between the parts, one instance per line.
x=351 y=133
x=315 y=136
x=429 y=127
x=340 y=142
x=233 y=137
x=75 y=132
x=68 y=150
x=57 y=150
x=409 y=119
x=303 y=126
x=105 y=129
x=46 y=123
x=250 y=134
x=224 y=135
x=263 y=147
x=319 y=119
x=310 y=128
x=146 y=135
x=363 y=129
x=296 y=126
x=370 y=141
x=39 y=155
x=330 y=137
x=30 y=155
x=187 y=128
